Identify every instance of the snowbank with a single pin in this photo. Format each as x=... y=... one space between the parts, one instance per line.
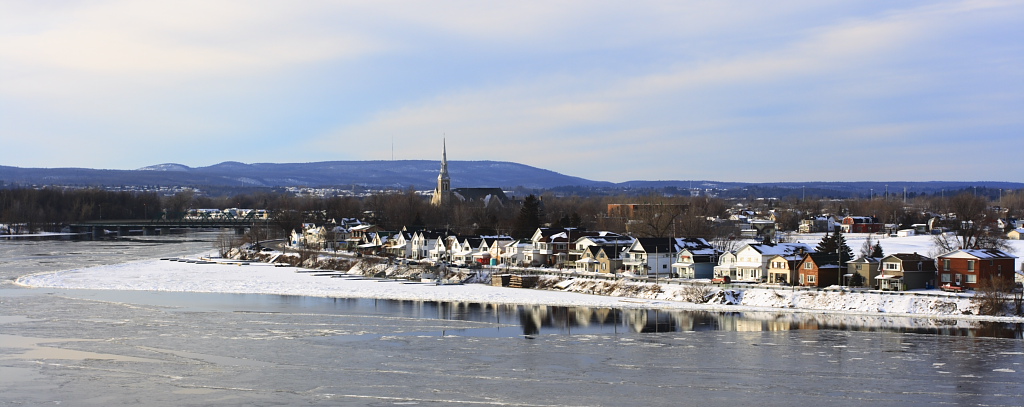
x=259 y=278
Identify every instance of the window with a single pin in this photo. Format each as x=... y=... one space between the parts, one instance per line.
x=810 y=278
x=971 y=279
x=892 y=266
x=946 y=277
x=808 y=265
x=945 y=264
x=970 y=265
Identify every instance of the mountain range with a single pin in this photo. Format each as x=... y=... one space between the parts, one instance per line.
x=422 y=175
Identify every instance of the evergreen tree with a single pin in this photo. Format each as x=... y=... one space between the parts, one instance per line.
x=826 y=245
x=831 y=243
x=877 y=251
x=529 y=218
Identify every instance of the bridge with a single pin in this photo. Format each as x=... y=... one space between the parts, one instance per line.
x=159 y=226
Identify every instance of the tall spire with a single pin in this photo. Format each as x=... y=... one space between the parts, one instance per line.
x=444 y=183
x=444 y=160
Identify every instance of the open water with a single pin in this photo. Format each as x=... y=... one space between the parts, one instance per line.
x=109 y=348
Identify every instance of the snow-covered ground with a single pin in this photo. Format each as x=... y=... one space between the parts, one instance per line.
x=256 y=278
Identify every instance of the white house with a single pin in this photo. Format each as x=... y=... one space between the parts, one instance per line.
x=752 y=260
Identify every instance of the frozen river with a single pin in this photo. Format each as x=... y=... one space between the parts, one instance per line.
x=92 y=347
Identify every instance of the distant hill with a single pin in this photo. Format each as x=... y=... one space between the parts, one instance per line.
x=421 y=174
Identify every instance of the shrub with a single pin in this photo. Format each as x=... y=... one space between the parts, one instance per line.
x=992 y=296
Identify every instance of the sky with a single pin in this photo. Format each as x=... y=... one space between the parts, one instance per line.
x=744 y=91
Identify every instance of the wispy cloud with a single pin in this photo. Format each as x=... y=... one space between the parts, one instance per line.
x=604 y=90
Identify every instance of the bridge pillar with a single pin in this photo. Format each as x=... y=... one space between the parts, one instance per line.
x=165 y=231
x=239 y=231
x=97 y=231
x=122 y=231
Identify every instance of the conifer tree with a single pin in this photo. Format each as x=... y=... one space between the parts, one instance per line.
x=877 y=251
x=529 y=218
x=830 y=243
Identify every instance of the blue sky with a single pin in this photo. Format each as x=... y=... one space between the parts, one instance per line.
x=757 y=91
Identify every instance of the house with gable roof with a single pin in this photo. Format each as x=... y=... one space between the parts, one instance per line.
x=752 y=260
x=650 y=256
x=861 y=224
x=867 y=268
x=695 y=258
x=782 y=269
x=906 y=271
x=601 y=259
x=967 y=268
x=726 y=266
x=543 y=250
x=1016 y=234
x=514 y=253
x=820 y=270
x=599 y=239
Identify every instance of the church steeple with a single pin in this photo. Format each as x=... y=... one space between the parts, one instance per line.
x=444 y=182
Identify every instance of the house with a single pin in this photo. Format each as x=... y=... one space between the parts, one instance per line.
x=969 y=267
x=756 y=228
x=358 y=235
x=588 y=260
x=542 y=251
x=496 y=247
x=726 y=266
x=905 y=271
x=650 y=256
x=861 y=224
x=424 y=242
x=465 y=251
x=696 y=258
x=600 y=259
x=598 y=239
x=864 y=267
x=399 y=244
x=316 y=237
x=514 y=253
x=819 y=270
x=782 y=269
x=817 y=224
x=1016 y=234
x=752 y=259
x=562 y=243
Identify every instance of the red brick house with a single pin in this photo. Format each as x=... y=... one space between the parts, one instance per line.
x=819 y=270
x=861 y=224
x=969 y=267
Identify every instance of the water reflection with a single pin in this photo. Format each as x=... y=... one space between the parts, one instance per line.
x=541 y=319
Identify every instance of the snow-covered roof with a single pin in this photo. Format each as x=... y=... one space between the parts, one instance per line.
x=980 y=254
x=783 y=249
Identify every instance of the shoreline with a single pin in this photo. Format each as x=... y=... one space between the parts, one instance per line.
x=234 y=277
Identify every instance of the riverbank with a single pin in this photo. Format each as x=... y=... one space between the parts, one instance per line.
x=228 y=276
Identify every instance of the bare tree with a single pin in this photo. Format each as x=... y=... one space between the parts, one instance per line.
x=973 y=224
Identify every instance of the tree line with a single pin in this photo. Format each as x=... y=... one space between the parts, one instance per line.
x=653 y=215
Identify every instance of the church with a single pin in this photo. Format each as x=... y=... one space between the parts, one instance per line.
x=444 y=194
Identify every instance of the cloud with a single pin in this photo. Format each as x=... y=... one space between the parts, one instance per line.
x=773 y=96
x=604 y=90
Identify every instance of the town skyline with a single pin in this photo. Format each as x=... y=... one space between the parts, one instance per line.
x=731 y=91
